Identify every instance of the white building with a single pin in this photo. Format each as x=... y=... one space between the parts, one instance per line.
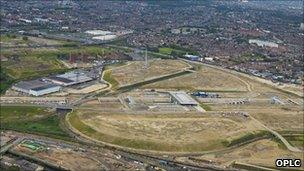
x=36 y=87
x=101 y=35
x=70 y=78
x=208 y=58
x=302 y=26
x=105 y=37
x=39 y=91
x=98 y=32
x=263 y=43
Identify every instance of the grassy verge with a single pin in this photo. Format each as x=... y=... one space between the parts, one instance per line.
x=247 y=138
x=110 y=79
x=34 y=120
x=92 y=50
x=5 y=81
x=165 y=50
x=136 y=85
x=22 y=113
x=175 y=50
x=295 y=140
x=159 y=55
x=205 y=106
x=46 y=127
x=111 y=66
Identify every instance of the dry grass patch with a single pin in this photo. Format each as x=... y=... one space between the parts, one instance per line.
x=262 y=152
x=205 y=78
x=66 y=158
x=282 y=120
x=171 y=132
x=135 y=71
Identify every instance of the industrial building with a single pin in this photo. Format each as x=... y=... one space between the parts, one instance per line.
x=36 y=87
x=70 y=78
x=183 y=98
x=192 y=57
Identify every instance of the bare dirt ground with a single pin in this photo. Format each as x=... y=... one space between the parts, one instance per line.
x=63 y=157
x=262 y=152
x=135 y=71
x=88 y=89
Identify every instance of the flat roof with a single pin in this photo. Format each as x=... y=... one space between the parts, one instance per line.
x=44 y=87
x=75 y=76
x=71 y=78
x=35 y=85
x=61 y=79
x=183 y=98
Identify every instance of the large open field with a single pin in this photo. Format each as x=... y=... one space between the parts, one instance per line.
x=222 y=126
x=15 y=113
x=135 y=72
x=204 y=78
x=25 y=63
x=163 y=132
x=28 y=119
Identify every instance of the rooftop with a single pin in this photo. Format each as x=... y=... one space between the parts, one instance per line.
x=71 y=78
x=35 y=85
x=183 y=98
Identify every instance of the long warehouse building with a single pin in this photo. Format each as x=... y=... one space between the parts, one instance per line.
x=36 y=87
x=70 y=78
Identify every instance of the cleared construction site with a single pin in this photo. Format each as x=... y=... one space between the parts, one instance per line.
x=208 y=109
x=37 y=153
x=148 y=106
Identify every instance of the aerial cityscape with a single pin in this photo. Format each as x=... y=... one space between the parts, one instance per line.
x=152 y=85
